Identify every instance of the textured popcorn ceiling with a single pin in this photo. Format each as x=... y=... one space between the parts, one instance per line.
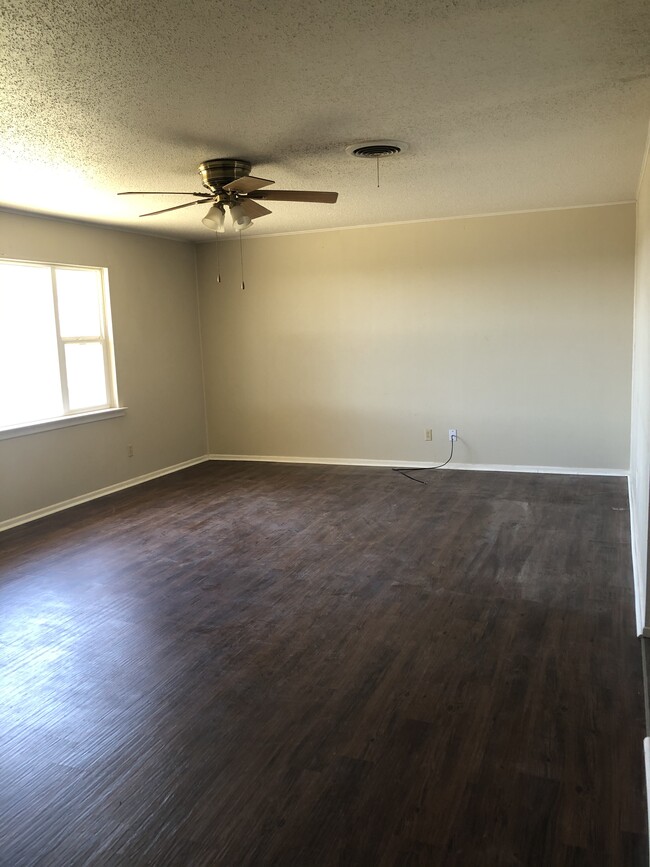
x=506 y=105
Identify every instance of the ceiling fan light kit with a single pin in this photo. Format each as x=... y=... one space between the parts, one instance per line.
x=232 y=186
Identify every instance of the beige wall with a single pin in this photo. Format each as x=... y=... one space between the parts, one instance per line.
x=155 y=323
x=640 y=440
x=349 y=344
x=515 y=329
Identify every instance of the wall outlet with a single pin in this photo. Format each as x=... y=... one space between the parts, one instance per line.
x=428 y=435
x=453 y=434
x=129 y=450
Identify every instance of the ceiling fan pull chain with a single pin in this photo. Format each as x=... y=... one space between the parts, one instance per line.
x=216 y=247
x=377 y=172
x=241 y=261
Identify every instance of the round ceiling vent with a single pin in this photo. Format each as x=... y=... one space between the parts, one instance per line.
x=369 y=149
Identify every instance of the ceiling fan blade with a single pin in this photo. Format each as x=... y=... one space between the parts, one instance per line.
x=164 y=193
x=247 y=184
x=175 y=208
x=252 y=209
x=296 y=196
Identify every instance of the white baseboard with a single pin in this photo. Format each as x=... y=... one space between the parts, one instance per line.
x=554 y=471
x=354 y=462
x=94 y=495
x=646 y=752
x=366 y=462
x=636 y=575
x=344 y=462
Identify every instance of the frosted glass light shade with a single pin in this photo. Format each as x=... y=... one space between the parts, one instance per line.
x=240 y=220
x=214 y=219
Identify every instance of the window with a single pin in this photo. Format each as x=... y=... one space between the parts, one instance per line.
x=56 y=355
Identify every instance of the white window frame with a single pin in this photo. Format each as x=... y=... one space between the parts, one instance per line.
x=108 y=409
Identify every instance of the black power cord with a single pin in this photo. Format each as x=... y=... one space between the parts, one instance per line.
x=404 y=471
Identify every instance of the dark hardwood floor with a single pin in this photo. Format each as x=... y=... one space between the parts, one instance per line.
x=248 y=664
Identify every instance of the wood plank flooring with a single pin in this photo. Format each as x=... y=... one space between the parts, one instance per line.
x=248 y=664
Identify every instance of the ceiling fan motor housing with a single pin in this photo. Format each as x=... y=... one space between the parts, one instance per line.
x=218 y=172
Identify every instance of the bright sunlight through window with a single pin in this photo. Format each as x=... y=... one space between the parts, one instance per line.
x=56 y=357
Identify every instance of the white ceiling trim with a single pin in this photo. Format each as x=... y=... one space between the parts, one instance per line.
x=224 y=238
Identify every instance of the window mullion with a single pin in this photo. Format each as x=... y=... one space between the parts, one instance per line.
x=63 y=372
x=109 y=365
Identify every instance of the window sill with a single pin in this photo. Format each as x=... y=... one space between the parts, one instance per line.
x=63 y=421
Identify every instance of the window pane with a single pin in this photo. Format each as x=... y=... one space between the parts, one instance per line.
x=86 y=377
x=80 y=302
x=30 y=387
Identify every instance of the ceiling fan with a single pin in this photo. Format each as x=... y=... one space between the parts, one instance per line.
x=232 y=186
